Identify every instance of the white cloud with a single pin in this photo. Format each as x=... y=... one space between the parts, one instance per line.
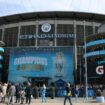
x=19 y=6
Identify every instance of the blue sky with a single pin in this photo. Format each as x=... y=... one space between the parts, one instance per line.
x=8 y=7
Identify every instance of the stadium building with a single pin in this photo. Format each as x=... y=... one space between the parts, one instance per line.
x=96 y=56
x=46 y=46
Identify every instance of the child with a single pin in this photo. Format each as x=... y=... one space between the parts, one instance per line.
x=22 y=96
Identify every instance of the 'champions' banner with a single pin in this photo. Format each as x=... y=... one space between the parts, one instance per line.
x=52 y=63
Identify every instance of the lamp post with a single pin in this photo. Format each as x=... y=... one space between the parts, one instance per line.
x=75 y=53
x=85 y=65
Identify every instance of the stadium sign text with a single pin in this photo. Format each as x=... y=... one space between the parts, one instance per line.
x=46 y=36
x=100 y=70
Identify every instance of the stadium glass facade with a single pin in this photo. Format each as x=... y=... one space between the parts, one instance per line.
x=46 y=46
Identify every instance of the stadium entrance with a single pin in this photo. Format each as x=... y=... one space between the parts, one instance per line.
x=39 y=81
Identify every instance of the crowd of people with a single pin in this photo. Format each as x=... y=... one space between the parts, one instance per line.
x=23 y=93
x=20 y=93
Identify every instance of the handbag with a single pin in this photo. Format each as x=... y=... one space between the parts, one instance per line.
x=69 y=94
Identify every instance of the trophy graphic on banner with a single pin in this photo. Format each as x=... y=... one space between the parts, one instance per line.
x=59 y=64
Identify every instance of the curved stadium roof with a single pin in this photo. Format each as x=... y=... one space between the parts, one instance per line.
x=53 y=15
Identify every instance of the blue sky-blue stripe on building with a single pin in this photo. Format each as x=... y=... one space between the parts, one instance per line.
x=97 y=42
x=95 y=53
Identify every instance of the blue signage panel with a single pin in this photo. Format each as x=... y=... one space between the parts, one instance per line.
x=54 y=63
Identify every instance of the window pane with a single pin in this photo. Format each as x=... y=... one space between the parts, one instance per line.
x=79 y=34
x=11 y=36
x=65 y=29
x=88 y=30
x=30 y=32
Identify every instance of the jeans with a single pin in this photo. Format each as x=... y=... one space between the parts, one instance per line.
x=43 y=98
x=11 y=99
x=17 y=98
x=76 y=97
x=69 y=98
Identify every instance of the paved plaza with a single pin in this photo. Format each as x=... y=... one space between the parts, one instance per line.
x=59 y=101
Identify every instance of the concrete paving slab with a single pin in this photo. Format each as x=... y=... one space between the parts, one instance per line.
x=59 y=101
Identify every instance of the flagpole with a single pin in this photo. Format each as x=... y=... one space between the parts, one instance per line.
x=75 y=51
x=85 y=65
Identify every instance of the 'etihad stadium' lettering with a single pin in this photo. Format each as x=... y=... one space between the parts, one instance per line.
x=46 y=36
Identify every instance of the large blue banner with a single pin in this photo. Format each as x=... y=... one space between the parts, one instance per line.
x=54 y=63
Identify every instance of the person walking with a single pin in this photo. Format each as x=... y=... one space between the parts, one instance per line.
x=76 y=92
x=52 y=90
x=18 y=89
x=28 y=93
x=22 y=96
x=68 y=94
x=1 y=92
x=36 y=92
x=4 y=88
x=43 y=93
x=22 y=93
x=11 y=94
